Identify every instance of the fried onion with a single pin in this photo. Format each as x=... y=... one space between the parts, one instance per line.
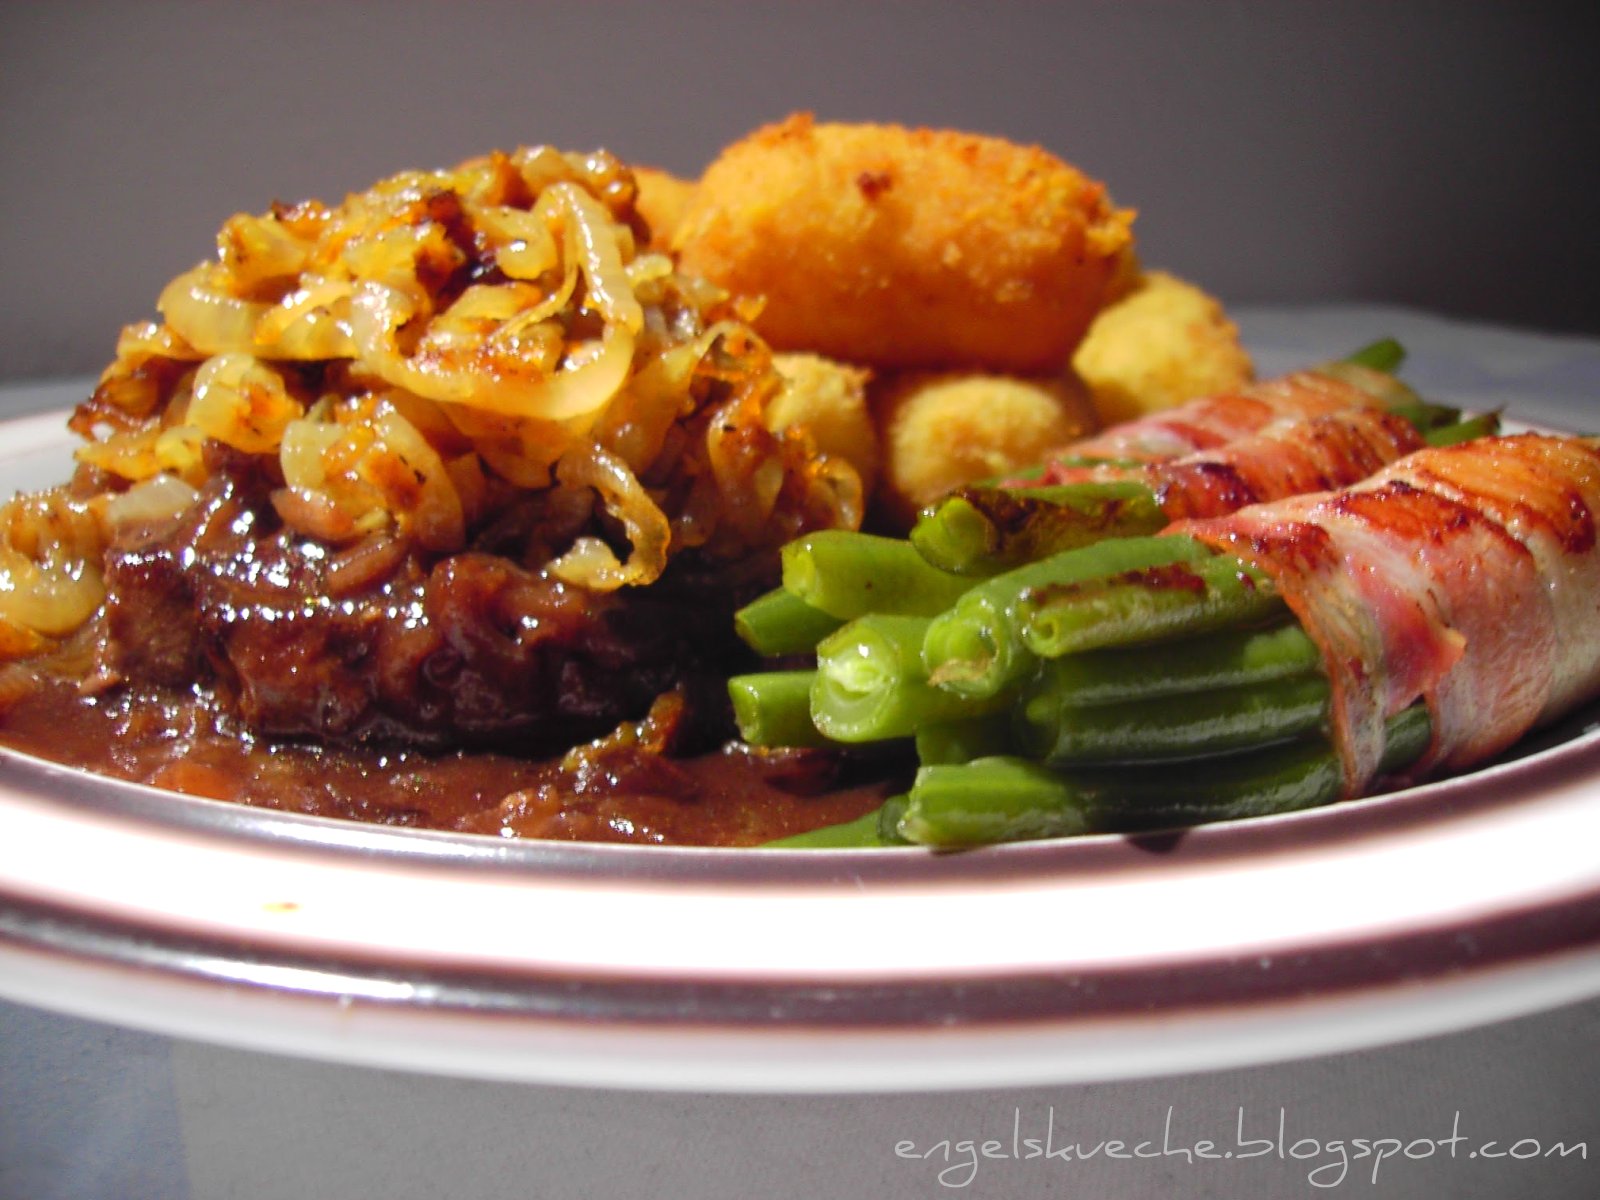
x=431 y=353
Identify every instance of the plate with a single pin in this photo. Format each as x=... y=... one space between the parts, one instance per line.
x=1442 y=907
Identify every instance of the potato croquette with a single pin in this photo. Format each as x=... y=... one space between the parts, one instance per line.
x=661 y=201
x=1165 y=342
x=907 y=248
x=941 y=431
x=829 y=401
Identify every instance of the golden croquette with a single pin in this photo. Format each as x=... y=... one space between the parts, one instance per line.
x=907 y=248
x=942 y=431
x=1165 y=342
x=661 y=202
x=829 y=401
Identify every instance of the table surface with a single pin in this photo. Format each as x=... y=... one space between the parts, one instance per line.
x=93 y=1111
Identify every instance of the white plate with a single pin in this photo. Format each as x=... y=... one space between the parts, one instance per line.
x=1431 y=910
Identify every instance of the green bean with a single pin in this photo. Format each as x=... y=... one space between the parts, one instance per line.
x=1052 y=728
x=773 y=708
x=1145 y=604
x=870 y=684
x=1405 y=736
x=976 y=649
x=1425 y=415
x=996 y=800
x=959 y=741
x=987 y=800
x=889 y=820
x=848 y=575
x=1228 y=659
x=1465 y=430
x=1384 y=355
x=1025 y=475
x=1395 y=396
x=878 y=828
x=780 y=623
x=981 y=531
x=863 y=833
x=1303 y=773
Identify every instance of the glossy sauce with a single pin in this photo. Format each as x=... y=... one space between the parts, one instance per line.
x=620 y=793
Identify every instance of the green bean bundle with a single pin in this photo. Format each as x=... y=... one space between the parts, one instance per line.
x=1127 y=702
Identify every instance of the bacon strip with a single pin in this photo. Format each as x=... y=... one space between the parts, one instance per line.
x=1287 y=458
x=1467 y=577
x=1214 y=421
x=1546 y=492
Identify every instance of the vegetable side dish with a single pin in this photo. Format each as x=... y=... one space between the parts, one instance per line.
x=458 y=504
x=1275 y=657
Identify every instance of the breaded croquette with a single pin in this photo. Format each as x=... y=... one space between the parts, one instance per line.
x=1164 y=343
x=661 y=201
x=829 y=401
x=940 y=431
x=902 y=248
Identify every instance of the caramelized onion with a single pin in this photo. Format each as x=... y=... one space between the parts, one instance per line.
x=159 y=498
x=206 y=316
x=311 y=322
x=50 y=550
x=443 y=353
x=242 y=402
x=591 y=562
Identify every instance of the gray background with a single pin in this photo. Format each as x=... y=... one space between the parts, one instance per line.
x=1438 y=154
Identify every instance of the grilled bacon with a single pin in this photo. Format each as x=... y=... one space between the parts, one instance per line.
x=1286 y=458
x=1464 y=576
x=1212 y=421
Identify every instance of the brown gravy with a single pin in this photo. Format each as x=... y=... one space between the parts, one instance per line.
x=733 y=797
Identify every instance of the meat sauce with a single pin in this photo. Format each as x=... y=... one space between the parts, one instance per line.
x=622 y=789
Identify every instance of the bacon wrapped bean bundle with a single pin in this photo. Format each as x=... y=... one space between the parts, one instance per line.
x=1287 y=654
